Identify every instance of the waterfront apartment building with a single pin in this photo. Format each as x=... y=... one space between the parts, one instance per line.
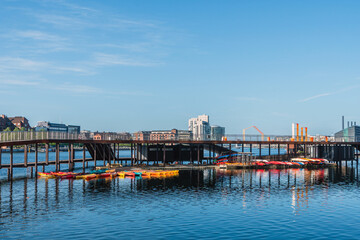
x=56 y=127
x=200 y=127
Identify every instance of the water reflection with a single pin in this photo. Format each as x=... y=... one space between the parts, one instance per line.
x=26 y=199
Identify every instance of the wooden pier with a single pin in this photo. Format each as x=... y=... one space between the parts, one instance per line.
x=159 y=153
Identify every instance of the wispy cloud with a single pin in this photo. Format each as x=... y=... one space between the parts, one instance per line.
x=102 y=59
x=36 y=35
x=75 y=88
x=329 y=93
x=16 y=63
x=249 y=99
x=317 y=96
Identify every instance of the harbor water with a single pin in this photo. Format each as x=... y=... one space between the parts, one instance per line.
x=205 y=204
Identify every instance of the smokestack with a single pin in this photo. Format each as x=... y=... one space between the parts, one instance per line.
x=343 y=122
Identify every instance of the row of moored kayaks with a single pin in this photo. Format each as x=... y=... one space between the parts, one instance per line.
x=95 y=174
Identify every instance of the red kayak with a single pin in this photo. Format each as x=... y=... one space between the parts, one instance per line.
x=129 y=174
x=104 y=175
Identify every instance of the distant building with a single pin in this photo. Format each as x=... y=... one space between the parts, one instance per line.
x=56 y=127
x=217 y=133
x=350 y=134
x=200 y=127
x=5 y=122
x=86 y=134
x=73 y=129
x=142 y=135
x=173 y=134
x=20 y=122
x=111 y=136
x=158 y=135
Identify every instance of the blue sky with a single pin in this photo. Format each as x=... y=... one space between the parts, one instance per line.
x=142 y=65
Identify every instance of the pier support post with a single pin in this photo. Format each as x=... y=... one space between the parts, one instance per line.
x=131 y=153
x=47 y=154
x=157 y=153
x=25 y=155
x=95 y=157
x=114 y=158
x=279 y=151
x=269 y=150
x=70 y=154
x=104 y=154
x=57 y=164
x=164 y=155
x=36 y=159
x=260 y=150
x=83 y=162
x=198 y=154
x=230 y=155
x=180 y=157
x=191 y=156
x=10 y=173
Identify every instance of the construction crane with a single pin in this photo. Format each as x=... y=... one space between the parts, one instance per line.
x=262 y=134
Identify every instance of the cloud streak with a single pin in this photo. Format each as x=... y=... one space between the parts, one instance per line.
x=328 y=93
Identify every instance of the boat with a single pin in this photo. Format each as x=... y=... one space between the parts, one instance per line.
x=45 y=175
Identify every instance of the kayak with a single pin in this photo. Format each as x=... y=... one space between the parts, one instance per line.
x=46 y=175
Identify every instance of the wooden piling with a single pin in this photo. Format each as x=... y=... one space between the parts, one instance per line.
x=198 y=153
x=103 y=146
x=260 y=150
x=164 y=155
x=114 y=158
x=47 y=154
x=191 y=156
x=95 y=157
x=83 y=162
x=36 y=159
x=70 y=156
x=10 y=173
x=57 y=157
x=25 y=155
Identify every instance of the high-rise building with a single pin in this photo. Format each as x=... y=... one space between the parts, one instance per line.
x=217 y=133
x=200 y=127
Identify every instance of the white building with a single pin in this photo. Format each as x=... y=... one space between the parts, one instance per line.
x=200 y=127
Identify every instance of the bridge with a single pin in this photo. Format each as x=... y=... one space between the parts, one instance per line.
x=158 y=153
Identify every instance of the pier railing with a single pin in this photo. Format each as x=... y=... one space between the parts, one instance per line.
x=31 y=135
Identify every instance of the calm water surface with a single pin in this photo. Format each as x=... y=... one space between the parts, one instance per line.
x=211 y=204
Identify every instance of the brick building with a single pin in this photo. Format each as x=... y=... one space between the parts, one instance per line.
x=5 y=122
x=111 y=136
x=142 y=135
x=20 y=122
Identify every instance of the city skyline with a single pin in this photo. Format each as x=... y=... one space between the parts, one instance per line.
x=131 y=66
